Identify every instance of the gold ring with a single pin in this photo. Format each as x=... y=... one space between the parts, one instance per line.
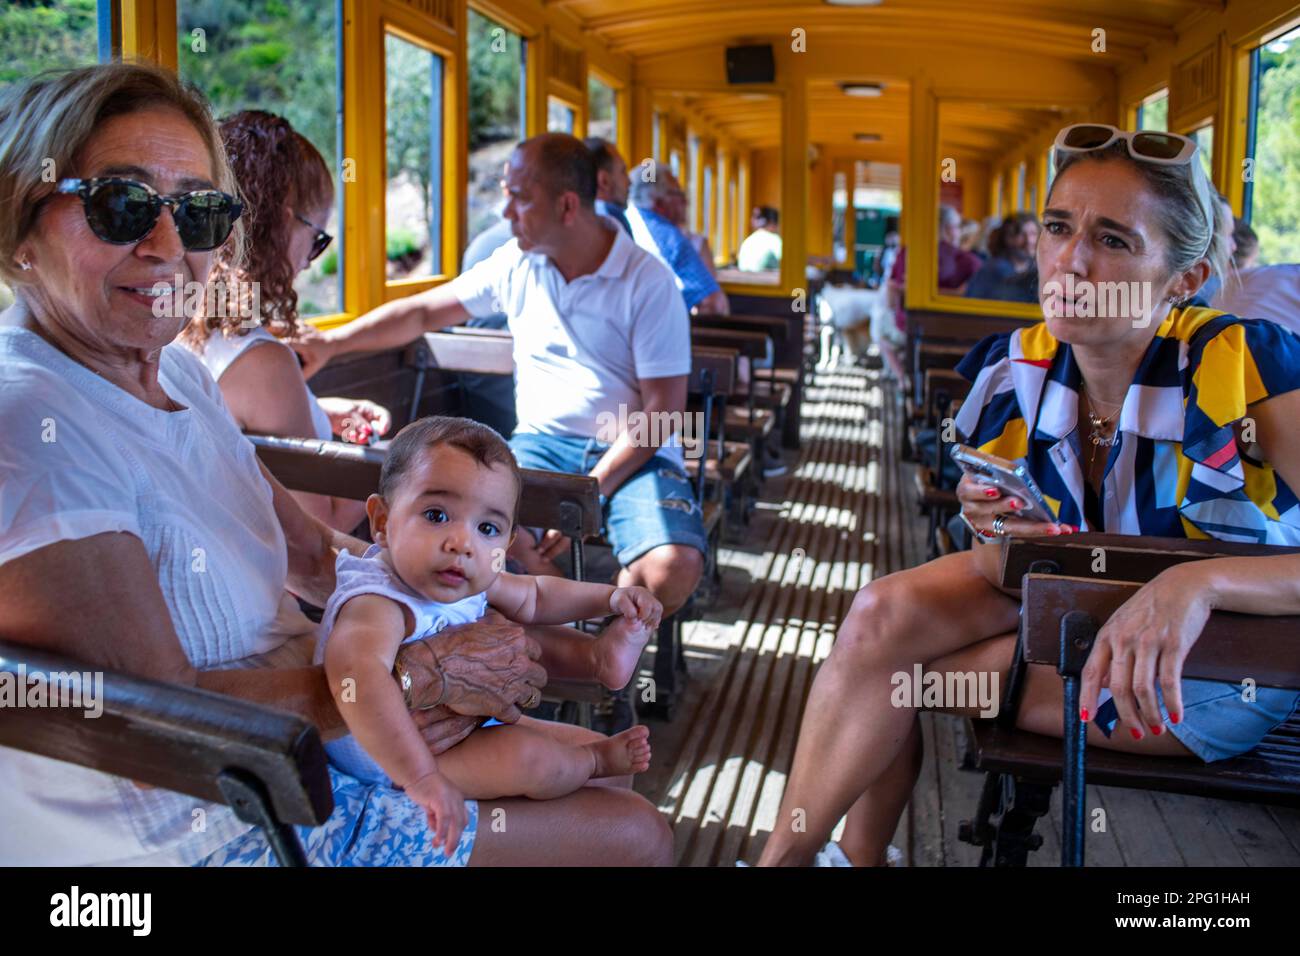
x=533 y=699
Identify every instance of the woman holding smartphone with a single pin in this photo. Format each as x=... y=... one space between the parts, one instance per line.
x=1154 y=419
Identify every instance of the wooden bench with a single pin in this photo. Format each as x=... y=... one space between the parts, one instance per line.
x=268 y=766
x=1069 y=589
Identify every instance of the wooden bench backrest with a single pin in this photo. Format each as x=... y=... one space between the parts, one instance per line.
x=568 y=503
x=483 y=351
x=959 y=327
x=721 y=363
x=1122 y=557
x=749 y=344
x=178 y=738
x=1231 y=648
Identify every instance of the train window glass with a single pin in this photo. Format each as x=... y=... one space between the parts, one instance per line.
x=737 y=214
x=413 y=206
x=39 y=37
x=1154 y=112
x=282 y=58
x=602 y=109
x=675 y=163
x=1205 y=139
x=707 y=225
x=693 y=187
x=654 y=136
x=1020 y=187
x=560 y=116
x=496 y=114
x=839 y=212
x=1275 y=205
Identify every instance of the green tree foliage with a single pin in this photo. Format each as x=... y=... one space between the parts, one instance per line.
x=273 y=55
x=37 y=35
x=1275 y=210
x=495 y=61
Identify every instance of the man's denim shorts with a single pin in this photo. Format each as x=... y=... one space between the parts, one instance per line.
x=656 y=506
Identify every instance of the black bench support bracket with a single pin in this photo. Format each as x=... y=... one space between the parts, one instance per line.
x=1078 y=632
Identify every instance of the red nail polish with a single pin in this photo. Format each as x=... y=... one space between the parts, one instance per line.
x=1137 y=734
x=1174 y=718
x=1083 y=714
x=1157 y=729
x=990 y=492
x=1014 y=505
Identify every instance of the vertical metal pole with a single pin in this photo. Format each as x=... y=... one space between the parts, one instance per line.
x=1078 y=631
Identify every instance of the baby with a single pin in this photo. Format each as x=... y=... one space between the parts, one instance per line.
x=441 y=522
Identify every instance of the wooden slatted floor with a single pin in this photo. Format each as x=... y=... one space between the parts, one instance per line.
x=844 y=515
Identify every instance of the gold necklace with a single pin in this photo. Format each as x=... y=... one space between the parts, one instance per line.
x=1097 y=434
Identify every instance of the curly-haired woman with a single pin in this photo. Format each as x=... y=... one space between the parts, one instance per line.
x=287 y=192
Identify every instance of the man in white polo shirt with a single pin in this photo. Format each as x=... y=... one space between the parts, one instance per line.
x=600 y=334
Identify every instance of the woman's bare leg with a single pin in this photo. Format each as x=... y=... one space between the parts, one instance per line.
x=871 y=822
x=595 y=826
x=851 y=732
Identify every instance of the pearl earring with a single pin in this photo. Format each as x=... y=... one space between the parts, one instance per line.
x=25 y=266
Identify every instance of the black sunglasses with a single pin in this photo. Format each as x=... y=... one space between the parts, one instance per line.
x=123 y=211
x=320 y=242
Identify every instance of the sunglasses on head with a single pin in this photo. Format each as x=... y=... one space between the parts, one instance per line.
x=123 y=211
x=320 y=242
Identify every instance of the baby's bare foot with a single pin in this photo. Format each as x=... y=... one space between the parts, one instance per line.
x=628 y=752
x=618 y=649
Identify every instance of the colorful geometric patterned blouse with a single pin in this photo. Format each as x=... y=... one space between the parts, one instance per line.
x=1176 y=468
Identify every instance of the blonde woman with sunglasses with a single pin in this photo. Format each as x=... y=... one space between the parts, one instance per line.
x=1130 y=422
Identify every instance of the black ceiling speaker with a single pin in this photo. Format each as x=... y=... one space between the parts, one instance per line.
x=751 y=64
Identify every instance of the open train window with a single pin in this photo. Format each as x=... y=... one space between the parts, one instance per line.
x=1270 y=204
x=281 y=58
x=602 y=109
x=497 y=94
x=413 y=202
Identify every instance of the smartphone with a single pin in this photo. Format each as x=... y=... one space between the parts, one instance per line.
x=1012 y=479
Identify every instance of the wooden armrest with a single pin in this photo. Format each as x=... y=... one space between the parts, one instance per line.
x=1232 y=646
x=1127 y=557
x=179 y=738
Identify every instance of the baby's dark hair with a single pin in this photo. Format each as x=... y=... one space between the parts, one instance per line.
x=483 y=444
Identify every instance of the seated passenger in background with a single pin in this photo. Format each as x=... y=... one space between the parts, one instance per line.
x=1010 y=274
x=761 y=250
x=611 y=180
x=1246 y=255
x=287 y=193
x=600 y=334
x=972 y=239
x=442 y=518
x=1265 y=292
x=955 y=266
x=658 y=202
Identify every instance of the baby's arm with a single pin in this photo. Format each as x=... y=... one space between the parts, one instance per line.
x=530 y=599
x=359 y=665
